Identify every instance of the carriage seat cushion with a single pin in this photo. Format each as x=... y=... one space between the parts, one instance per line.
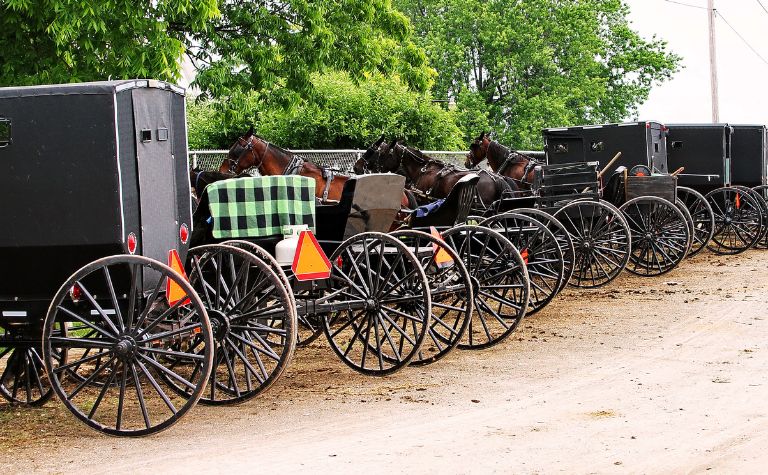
x=429 y=208
x=253 y=207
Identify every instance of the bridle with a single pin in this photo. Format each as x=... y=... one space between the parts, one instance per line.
x=248 y=147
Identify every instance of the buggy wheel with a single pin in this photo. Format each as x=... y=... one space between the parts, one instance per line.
x=119 y=390
x=563 y=240
x=738 y=220
x=309 y=326
x=23 y=379
x=252 y=317
x=601 y=239
x=659 y=233
x=540 y=251
x=379 y=304
x=500 y=284
x=762 y=191
x=702 y=216
x=451 y=291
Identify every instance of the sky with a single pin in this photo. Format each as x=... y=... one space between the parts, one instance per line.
x=742 y=75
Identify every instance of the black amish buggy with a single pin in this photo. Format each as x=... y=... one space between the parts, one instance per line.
x=725 y=167
x=638 y=182
x=95 y=200
x=641 y=143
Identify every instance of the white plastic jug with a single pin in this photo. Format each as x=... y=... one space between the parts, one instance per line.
x=285 y=249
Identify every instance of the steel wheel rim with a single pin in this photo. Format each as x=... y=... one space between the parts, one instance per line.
x=451 y=291
x=126 y=395
x=601 y=238
x=737 y=225
x=659 y=235
x=393 y=288
x=253 y=321
x=500 y=284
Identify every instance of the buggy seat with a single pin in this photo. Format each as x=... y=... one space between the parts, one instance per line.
x=254 y=208
x=454 y=209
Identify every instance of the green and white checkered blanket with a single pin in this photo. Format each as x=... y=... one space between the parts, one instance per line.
x=255 y=207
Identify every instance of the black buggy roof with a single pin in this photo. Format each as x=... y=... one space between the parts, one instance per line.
x=85 y=88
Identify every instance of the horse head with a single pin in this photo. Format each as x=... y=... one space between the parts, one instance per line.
x=369 y=161
x=477 y=150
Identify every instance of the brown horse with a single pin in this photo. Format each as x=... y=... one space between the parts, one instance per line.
x=251 y=151
x=502 y=160
x=433 y=179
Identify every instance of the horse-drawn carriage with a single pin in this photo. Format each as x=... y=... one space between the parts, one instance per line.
x=722 y=164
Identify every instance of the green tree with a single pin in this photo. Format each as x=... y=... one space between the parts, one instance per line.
x=51 y=41
x=342 y=113
x=237 y=46
x=529 y=64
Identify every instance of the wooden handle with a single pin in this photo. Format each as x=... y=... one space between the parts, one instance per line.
x=605 y=168
x=678 y=171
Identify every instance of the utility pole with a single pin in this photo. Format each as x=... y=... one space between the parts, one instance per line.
x=713 y=61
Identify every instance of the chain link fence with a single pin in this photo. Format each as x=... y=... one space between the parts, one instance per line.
x=341 y=160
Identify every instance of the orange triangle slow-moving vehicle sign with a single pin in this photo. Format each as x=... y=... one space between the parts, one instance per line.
x=309 y=261
x=173 y=291
x=442 y=258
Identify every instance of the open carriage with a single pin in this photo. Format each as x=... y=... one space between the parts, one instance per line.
x=725 y=173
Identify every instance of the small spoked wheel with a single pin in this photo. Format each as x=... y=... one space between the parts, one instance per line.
x=702 y=216
x=139 y=335
x=601 y=239
x=23 y=379
x=539 y=249
x=252 y=317
x=563 y=239
x=660 y=235
x=377 y=311
x=451 y=290
x=762 y=191
x=500 y=284
x=738 y=220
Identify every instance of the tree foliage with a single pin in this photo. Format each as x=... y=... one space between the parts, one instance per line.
x=526 y=64
x=342 y=113
x=52 y=41
x=265 y=45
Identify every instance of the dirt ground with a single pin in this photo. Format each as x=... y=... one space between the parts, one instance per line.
x=660 y=375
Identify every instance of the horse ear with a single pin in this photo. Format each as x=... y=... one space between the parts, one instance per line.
x=380 y=141
x=250 y=132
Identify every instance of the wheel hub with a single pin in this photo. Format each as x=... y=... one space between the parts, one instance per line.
x=220 y=324
x=125 y=348
x=372 y=305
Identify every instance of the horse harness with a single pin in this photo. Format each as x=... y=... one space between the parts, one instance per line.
x=295 y=166
x=511 y=158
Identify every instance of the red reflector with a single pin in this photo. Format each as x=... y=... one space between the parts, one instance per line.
x=524 y=255
x=738 y=201
x=339 y=261
x=75 y=293
x=184 y=233
x=132 y=242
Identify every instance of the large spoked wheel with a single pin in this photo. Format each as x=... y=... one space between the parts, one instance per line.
x=23 y=379
x=451 y=289
x=659 y=235
x=309 y=326
x=563 y=239
x=500 y=283
x=252 y=317
x=540 y=251
x=379 y=304
x=762 y=191
x=738 y=220
x=601 y=238
x=702 y=216
x=142 y=341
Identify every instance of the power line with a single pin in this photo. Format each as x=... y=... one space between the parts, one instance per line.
x=741 y=37
x=687 y=4
x=763 y=6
